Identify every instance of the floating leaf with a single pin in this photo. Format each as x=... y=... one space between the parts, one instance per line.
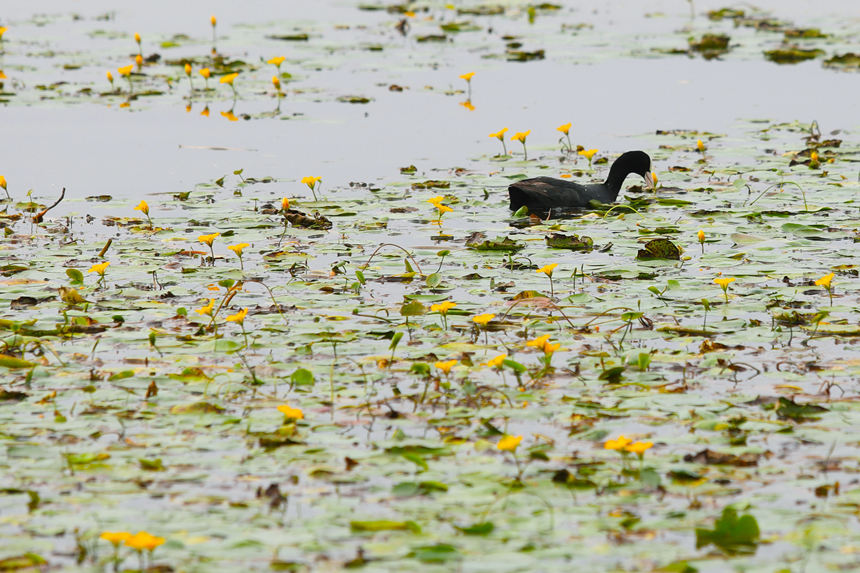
x=659 y=249
x=731 y=533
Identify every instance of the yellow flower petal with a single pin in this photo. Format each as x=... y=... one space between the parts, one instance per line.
x=291 y=413
x=239 y=248
x=228 y=79
x=206 y=310
x=468 y=76
x=618 y=444
x=539 y=342
x=99 y=268
x=701 y=236
x=142 y=207
x=509 y=443
x=238 y=317
x=638 y=448
x=499 y=134
x=724 y=281
x=564 y=128
x=115 y=537
x=125 y=70
x=205 y=72
x=277 y=61
x=588 y=153
x=547 y=269
x=144 y=541
x=483 y=319
x=445 y=366
x=442 y=307
x=825 y=280
x=497 y=361
x=208 y=239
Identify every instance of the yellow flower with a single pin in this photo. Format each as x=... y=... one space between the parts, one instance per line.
x=2 y=75
x=638 y=448
x=187 y=69
x=115 y=537
x=125 y=70
x=291 y=413
x=442 y=208
x=137 y=38
x=206 y=310
x=520 y=136
x=588 y=153
x=142 y=207
x=497 y=361
x=238 y=248
x=208 y=239
x=700 y=146
x=442 y=307
x=276 y=82
x=468 y=105
x=724 y=282
x=3 y=30
x=138 y=59
x=446 y=366
x=238 y=317
x=701 y=235
x=229 y=115
x=311 y=181
x=143 y=540
x=549 y=347
x=825 y=280
x=436 y=200
x=547 y=269
x=213 y=20
x=467 y=77
x=483 y=319
x=228 y=79
x=2 y=182
x=539 y=342
x=618 y=444
x=813 y=156
x=500 y=135
x=509 y=443
x=205 y=112
x=205 y=72
x=110 y=79
x=564 y=128
x=99 y=268
x=277 y=61
x=654 y=179
x=285 y=204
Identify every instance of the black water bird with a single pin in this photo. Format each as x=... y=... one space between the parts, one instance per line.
x=546 y=194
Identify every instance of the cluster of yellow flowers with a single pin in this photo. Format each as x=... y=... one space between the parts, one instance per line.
x=624 y=444
x=141 y=540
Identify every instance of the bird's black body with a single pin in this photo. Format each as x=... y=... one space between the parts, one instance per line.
x=545 y=194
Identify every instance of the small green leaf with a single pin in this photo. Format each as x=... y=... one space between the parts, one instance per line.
x=433 y=280
x=302 y=377
x=76 y=277
x=482 y=528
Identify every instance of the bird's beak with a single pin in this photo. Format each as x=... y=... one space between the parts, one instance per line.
x=649 y=182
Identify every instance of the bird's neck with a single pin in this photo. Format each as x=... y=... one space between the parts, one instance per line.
x=617 y=175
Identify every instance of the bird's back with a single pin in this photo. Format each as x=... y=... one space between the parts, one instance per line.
x=545 y=193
